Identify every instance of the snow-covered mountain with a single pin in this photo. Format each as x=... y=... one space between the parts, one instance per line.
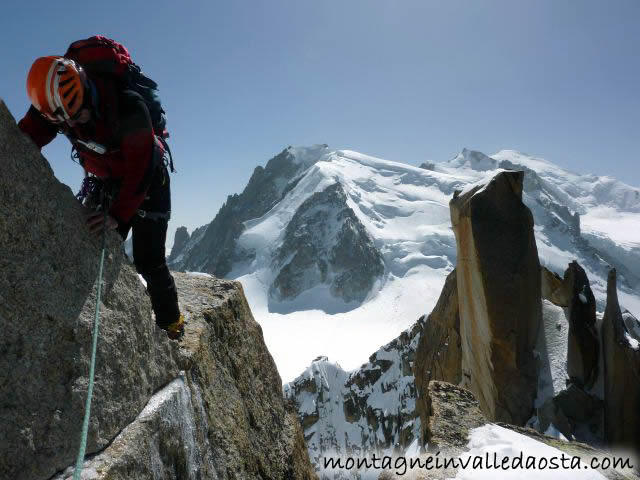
x=290 y=236
x=372 y=409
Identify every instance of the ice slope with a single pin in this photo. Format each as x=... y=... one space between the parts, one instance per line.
x=405 y=210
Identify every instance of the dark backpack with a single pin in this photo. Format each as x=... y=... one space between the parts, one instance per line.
x=100 y=55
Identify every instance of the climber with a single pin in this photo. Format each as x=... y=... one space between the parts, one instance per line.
x=112 y=133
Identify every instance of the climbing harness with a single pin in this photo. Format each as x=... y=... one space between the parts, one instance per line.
x=90 y=190
x=92 y=367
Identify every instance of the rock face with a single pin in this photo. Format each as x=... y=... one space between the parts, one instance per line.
x=566 y=392
x=49 y=265
x=621 y=350
x=180 y=241
x=582 y=414
x=439 y=355
x=500 y=296
x=428 y=165
x=222 y=417
x=554 y=288
x=454 y=413
x=214 y=249
x=325 y=243
x=584 y=344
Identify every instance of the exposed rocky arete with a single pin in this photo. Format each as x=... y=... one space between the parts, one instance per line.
x=621 y=375
x=499 y=291
x=325 y=243
x=180 y=241
x=371 y=409
x=223 y=416
x=209 y=407
x=214 y=248
x=49 y=265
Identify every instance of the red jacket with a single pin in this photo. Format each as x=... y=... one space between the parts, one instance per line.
x=121 y=122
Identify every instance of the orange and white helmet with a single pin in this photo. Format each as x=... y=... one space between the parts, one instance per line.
x=56 y=87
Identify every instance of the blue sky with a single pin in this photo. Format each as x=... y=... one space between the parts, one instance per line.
x=405 y=80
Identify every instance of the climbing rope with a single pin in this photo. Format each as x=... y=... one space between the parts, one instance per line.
x=96 y=323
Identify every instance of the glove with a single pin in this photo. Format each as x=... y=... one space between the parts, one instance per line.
x=96 y=222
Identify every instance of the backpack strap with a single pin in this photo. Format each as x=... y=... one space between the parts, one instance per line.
x=166 y=147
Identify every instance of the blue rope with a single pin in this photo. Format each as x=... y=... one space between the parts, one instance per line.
x=92 y=368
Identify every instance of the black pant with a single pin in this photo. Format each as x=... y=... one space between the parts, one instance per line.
x=149 y=235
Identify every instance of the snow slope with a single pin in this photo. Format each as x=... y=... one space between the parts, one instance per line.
x=506 y=444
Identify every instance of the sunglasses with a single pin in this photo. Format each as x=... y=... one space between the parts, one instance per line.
x=58 y=115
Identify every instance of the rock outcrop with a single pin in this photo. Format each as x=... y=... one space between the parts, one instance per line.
x=554 y=288
x=439 y=355
x=499 y=291
x=49 y=264
x=571 y=406
x=224 y=415
x=428 y=166
x=325 y=243
x=584 y=344
x=454 y=413
x=579 y=414
x=621 y=351
x=180 y=241
x=209 y=407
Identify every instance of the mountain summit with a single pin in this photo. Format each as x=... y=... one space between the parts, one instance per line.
x=334 y=241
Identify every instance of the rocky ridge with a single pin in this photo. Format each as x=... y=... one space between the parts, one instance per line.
x=208 y=407
x=213 y=248
x=223 y=415
x=369 y=410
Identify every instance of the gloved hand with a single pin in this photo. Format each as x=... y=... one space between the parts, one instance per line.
x=96 y=222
